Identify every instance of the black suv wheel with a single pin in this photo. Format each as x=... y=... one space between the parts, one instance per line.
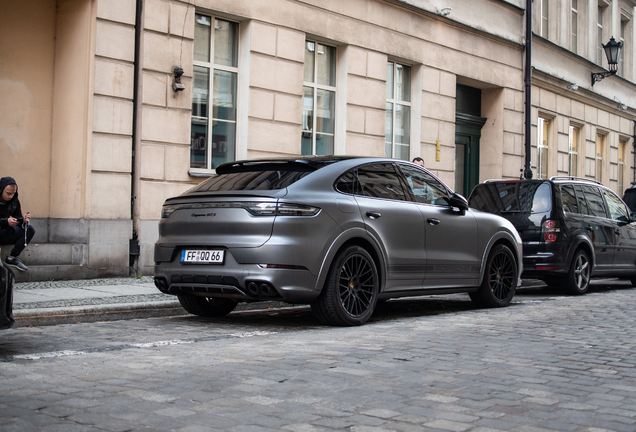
x=577 y=281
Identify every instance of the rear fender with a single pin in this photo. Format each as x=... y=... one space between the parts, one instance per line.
x=578 y=242
x=352 y=235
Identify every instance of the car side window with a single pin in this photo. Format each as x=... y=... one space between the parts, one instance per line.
x=568 y=198
x=424 y=187
x=348 y=183
x=380 y=181
x=616 y=207
x=580 y=199
x=594 y=201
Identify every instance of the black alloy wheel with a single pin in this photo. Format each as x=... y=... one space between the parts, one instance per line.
x=500 y=279
x=351 y=290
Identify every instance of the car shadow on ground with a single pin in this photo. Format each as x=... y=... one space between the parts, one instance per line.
x=287 y=318
x=540 y=289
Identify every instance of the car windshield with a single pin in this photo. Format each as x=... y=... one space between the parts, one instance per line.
x=512 y=197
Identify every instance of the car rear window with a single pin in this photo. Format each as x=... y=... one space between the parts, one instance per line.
x=252 y=180
x=512 y=197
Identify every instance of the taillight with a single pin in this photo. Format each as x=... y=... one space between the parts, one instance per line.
x=550 y=231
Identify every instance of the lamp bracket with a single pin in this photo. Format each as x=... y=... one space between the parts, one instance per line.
x=596 y=77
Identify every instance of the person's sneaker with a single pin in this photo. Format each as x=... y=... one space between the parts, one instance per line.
x=15 y=262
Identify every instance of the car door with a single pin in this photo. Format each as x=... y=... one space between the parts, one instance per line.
x=624 y=232
x=452 y=254
x=600 y=228
x=395 y=222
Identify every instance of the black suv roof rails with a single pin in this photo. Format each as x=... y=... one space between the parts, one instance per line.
x=576 y=178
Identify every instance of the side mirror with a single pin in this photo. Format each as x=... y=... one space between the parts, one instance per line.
x=456 y=200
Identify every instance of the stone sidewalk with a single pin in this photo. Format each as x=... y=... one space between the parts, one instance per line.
x=108 y=299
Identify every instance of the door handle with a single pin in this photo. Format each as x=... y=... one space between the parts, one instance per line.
x=432 y=221
x=373 y=214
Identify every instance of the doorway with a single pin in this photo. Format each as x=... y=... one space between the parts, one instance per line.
x=468 y=124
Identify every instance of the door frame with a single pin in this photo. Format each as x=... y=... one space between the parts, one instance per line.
x=468 y=133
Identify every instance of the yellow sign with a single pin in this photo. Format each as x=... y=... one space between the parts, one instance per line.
x=437 y=150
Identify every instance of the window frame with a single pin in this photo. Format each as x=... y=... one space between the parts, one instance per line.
x=212 y=67
x=544 y=129
x=622 y=151
x=574 y=141
x=574 y=25
x=315 y=86
x=544 y=21
x=599 y=155
x=600 y=31
x=394 y=101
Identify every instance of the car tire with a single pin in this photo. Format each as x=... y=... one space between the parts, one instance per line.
x=351 y=290
x=500 y=279
x=206 y=306
x=577 y=281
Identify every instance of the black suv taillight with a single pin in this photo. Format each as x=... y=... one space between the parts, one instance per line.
x=550 y=231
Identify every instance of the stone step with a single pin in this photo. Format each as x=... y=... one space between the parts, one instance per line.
x=48 y=254
x=38 y=273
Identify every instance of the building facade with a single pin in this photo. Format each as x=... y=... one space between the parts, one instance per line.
x=114 y=105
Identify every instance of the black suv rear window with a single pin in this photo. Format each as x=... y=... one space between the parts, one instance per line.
x=512 y=197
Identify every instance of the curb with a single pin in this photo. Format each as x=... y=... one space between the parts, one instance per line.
x=118 y=311
x=86 y=314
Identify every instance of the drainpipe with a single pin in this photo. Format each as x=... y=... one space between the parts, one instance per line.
x=134 y=172
x=527 y=172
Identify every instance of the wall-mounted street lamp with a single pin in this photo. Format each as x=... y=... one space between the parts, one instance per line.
x=613 y=54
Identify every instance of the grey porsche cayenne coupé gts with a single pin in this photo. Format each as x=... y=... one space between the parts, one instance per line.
x=339 y=233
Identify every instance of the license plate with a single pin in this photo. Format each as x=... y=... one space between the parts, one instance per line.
x=202 y=256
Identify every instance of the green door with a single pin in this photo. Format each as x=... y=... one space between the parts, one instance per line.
x=466 y=163
x=467 y=135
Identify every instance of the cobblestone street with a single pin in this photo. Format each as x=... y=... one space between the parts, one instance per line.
x=547 y=362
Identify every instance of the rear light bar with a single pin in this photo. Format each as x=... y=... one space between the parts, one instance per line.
x=550 y=231
x=255 y=208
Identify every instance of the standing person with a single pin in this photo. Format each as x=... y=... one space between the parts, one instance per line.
x=418 y=160
x=14 y=227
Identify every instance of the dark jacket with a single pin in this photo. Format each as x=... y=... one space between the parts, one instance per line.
x=11 y=208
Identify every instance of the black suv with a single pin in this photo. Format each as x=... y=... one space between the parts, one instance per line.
x=572 y=228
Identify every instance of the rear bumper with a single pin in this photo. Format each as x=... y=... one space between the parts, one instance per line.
x=543 y=264
x=241 y=282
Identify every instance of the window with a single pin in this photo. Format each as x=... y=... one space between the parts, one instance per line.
x=543 y=133
x=574 y=33
x=380 y=181
x=622 y=145
x=319 y=99
x=424 y=187
x=595 y=201
x=580 y=199
x=617 y=209
x=398 y=111
x=621 y=59
x=568 y=198
x=573 y=151
x=545 y=5
x=599 y=35
x=600 y=151
x=213 y=128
